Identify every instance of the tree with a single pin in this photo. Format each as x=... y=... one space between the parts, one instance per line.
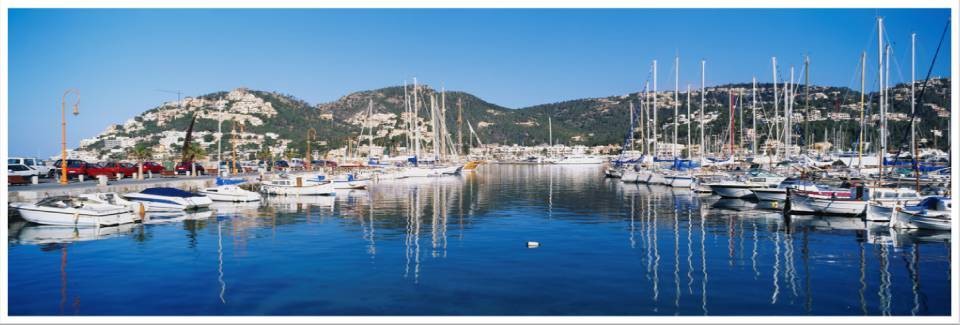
x=141 y=153
x=196 y=152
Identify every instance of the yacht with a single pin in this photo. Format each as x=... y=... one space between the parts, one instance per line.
x=931 y=213
x=884 y=201
x=286 y=186
x=168 y=198
x=229 y=193
x=74 y=211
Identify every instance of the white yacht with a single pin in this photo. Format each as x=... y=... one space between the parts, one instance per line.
x=884 y=201
x=74 y=211
x=229 y=193
x=168 y=198
x=297 y=186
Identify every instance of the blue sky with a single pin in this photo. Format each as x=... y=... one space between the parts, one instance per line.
x=120 y=58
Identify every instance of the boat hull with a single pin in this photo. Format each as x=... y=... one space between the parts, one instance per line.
x=732 y=191
x=679 y=181
x=835 y=206
x=912 y=220
x=76 y=217
x=770 y=194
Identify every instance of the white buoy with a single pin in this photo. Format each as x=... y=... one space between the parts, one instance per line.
x=533 y=244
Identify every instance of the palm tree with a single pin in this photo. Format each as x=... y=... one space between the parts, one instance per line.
x=141 y=153
x=196 y=152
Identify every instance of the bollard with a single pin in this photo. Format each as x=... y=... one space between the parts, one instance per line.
x=135 y=176
x=35 y=179
x=149 y=174
x=80 y=178
x=102 y=180
x=119 y=176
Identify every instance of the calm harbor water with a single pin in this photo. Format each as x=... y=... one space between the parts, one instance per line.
x=457 y=246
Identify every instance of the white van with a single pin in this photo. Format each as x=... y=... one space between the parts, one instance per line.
x=34 y=163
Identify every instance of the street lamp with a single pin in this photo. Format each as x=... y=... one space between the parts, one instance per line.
x=63 y=129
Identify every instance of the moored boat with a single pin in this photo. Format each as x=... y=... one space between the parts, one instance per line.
x=74 y=211
x=168 y=198
x=229 y=193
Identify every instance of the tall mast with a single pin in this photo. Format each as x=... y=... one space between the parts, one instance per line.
x=631 y=127
x=369 y=117
x=806 y=100
x=550 y=126
x=654 y=108
x=441 y=125
x=433 y=127
x=740 y=105
x=913 y=125
x=863 y=108
x=459 y=124
x=703 y=81
x=676 y=103
x=880 y=78
x=776 y=101
x=730 y=92
x=788 y=113
x=753 y=108
x=644 y=117
x=689 y=123
x=416 y=123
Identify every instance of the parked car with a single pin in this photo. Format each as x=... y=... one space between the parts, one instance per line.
x=75 y=168
x=281 y=165
x=183 y=168
x=22 y=170
x=111 y=169
x=151 y=167
x=43 y=169
x=323 y=163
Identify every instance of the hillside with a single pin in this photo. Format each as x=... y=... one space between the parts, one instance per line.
x=279 y=122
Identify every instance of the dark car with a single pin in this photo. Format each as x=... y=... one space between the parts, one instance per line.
x=323 y=163
x=281 y=165
x=75 y=168
x=183 y=168
x=152 y=167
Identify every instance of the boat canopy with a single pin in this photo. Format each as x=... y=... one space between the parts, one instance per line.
x=168 y=191
x=229 y=181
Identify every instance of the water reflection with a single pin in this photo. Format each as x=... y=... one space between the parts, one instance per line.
x=734 y=257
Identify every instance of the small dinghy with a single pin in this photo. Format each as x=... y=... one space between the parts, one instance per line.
x=229 y=193
x=74 y=211
x=168 y=198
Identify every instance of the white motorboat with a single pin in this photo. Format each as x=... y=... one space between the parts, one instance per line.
x=297 y=186
x=826 y=202
x=346 y=181
x=168 y=198
x=116 y=199
x=580 y=160
x=779 y=193
x=744 y=189
x=229 y=193
x=931 y=213
x=74 y=211
x=884 y=201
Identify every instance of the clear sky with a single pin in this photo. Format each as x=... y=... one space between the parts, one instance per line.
x=120 y=58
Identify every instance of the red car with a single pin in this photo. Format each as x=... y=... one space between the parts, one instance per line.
x=110 y=169
x=75 y=167
x=184 y=168
x=152 y=167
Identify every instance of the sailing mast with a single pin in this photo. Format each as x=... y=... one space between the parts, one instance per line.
x=787 y=114
x=882 y=94
x=913 y=123
x=369 y=117
x=433 y=128
x=416 y=123
x=806 y=99
x=406 y=109
x=753 y=108
x=644 y=116
x=703 y=78
x=730 y=92
x=631 y=127
x=688 y=122
x=550 y=127
x=776 y=103
x=863 y=108
x=654 y=108
x=459 y=124
x=676 y=103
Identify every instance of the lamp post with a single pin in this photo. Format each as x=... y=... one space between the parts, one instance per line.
x=63 y=130
x=311 y=134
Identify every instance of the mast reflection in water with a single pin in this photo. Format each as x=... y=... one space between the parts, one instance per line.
x=607 y=248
